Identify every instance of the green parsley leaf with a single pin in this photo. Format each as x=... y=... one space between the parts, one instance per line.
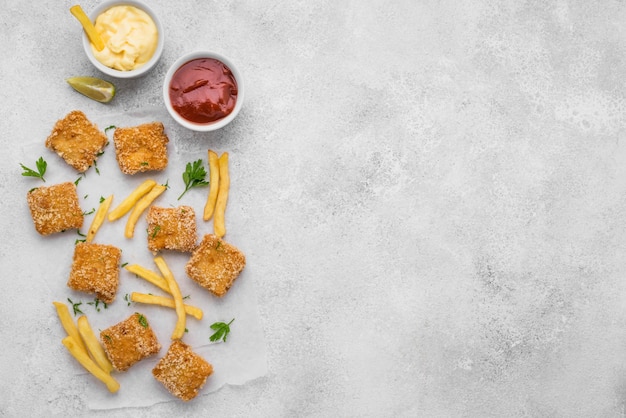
x=41 y=165
x=194 y=176
x=221 y=330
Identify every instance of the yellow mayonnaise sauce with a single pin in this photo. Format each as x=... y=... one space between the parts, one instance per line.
x=130 y=37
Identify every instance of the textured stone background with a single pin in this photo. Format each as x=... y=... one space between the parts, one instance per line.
x=434 y=198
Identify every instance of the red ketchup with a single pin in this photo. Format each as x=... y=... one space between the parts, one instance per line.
x=203 y=90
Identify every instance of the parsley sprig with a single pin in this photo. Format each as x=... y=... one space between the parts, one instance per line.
x=41 y=165
x=194 y=176
x=221 y=330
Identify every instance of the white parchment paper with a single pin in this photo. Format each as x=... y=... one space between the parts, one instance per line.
x=237 y=361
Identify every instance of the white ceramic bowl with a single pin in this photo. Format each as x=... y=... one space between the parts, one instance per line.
x=102 y=7
x=210 y=126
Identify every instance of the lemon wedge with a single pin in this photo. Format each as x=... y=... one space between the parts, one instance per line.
x=89 y=28
x=93 y=87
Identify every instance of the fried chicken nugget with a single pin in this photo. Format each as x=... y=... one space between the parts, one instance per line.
x=141 y=148
x=181 y=371
x=77 y=140
x=55 y=208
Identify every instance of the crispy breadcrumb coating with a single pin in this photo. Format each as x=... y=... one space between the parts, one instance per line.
x=129 y=341
x=141 y=148
x=171 y=228
x=55 y=208
x=215 y=264
x=77 y=140
x=182 y=372
x=95 y=269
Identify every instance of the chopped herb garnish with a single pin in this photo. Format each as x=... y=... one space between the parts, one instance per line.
x=127 y=299
x=102 y=199
x=90 y=212
x=41 y=165
x=155 y=231
x=80 y=234
x=143 y=321
x=75 y=306
x=221 y=330
x=108 y=337
x=124 y=264
x=96 y=304
x=109 y=127
x=144 y=163
x=219 y=244
x=194 y=176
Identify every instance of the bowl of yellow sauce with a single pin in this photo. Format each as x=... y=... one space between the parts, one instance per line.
x=132 y=35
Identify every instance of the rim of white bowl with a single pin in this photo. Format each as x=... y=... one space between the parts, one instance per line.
x=211 y=126
x=102 y=7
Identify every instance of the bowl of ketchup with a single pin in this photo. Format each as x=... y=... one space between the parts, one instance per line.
x=203 y=91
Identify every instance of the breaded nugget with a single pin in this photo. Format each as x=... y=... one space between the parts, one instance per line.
x=171 y=228
x=141 y=148
x=95 y=269
x=55 y=208
x=215 y=264
x=129 y=341
x=77 y=140
x=182 y=371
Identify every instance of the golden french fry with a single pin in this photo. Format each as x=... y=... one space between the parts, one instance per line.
x=99 y=218
x=68 y=323
x=164 y=301
x=141 y=205
x=179 y=329
x=214 y=179
x=132 y=198
x=88 y=26
x=149 y=276
x=219 y=227
x=83 y=358
x=93 y=345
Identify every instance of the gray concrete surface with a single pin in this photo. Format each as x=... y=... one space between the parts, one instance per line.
x=431 y=193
